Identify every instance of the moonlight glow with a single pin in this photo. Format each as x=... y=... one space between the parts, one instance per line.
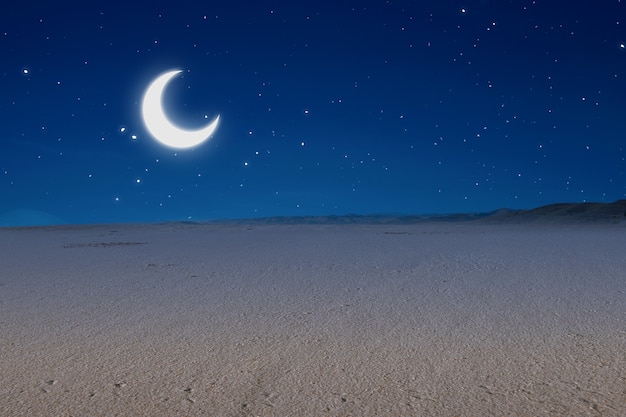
x=158 y=124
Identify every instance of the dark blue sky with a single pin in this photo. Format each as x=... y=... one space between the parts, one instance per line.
x=327 y=107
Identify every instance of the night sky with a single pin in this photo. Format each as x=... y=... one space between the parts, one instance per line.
x=326 y=107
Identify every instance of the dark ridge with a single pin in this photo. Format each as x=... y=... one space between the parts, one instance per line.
x=360 y=219
x=564 y=213
x=610 y=213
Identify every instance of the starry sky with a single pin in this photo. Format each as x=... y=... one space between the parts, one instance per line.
x=326 y=107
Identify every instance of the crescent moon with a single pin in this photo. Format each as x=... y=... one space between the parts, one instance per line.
x=160 y=126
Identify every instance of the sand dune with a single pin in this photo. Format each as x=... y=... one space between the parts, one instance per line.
x=437 y=319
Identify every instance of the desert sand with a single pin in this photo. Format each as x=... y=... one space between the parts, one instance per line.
x=446 y=319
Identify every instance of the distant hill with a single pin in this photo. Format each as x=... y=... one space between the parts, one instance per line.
x=561 y=213
x=361 y=219
x=564 y=213
x=553 y=213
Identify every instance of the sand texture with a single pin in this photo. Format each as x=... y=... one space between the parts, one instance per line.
x=313 y=320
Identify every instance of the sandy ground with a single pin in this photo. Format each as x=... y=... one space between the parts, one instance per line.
x=297 y=320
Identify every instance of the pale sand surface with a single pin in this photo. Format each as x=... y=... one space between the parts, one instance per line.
x=296 y=320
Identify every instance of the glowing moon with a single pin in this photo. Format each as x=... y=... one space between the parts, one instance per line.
x=160 y=127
